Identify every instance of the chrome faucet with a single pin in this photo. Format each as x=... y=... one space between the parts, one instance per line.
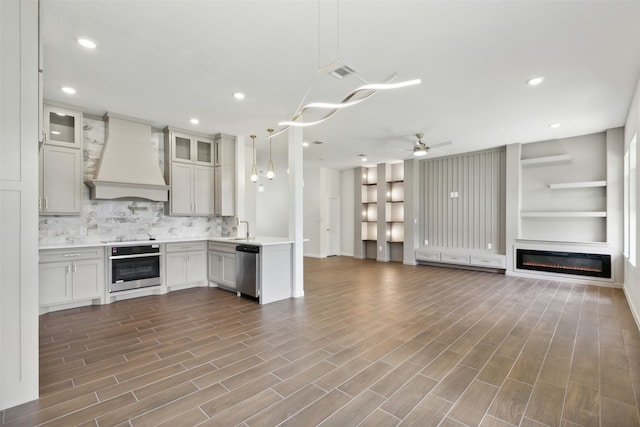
x=248 y=233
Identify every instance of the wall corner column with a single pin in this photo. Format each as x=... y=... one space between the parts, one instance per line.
x=512 y=203
x=296 y=212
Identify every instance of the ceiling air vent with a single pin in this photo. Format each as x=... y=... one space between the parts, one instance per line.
x=341 y=72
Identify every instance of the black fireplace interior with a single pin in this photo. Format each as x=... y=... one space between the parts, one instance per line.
x=594 y=265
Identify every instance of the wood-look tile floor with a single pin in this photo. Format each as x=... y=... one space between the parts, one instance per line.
x=370 y=344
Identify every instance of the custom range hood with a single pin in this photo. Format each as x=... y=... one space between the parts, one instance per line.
x=128 y=167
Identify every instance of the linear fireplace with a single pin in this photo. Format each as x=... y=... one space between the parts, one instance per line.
x=581 y=264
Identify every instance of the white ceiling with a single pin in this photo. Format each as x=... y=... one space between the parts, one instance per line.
x=168 y=61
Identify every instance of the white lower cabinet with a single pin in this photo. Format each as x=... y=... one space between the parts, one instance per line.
x=185 y=264
x=70 y=276
x=222 y=264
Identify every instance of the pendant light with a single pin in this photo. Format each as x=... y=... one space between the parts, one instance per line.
x=254 y=169
x=270 y=171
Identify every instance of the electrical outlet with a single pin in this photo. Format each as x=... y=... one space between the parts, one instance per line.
x=380 y=248
x=453 y=194
x=489 y=246
x=83 y=231
x=426 y=242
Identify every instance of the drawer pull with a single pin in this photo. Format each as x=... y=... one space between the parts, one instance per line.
x=71 y=255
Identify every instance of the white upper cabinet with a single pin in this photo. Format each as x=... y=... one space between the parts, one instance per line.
x=60 y=181
x=189 y=170
x=225 y=175
x=60 y=171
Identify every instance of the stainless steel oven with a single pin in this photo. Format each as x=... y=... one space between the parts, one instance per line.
x=134 y=266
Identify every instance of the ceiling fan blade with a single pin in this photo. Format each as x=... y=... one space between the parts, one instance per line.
x=440 y=144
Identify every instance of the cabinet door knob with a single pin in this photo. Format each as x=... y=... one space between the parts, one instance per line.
x=46 y=203
x=75 y=267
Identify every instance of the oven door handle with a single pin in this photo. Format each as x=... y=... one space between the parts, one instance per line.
x=135 y=256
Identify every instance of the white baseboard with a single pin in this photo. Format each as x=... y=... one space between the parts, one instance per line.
x=313 y=256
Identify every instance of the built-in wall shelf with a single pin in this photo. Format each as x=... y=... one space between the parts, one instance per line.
x=545 y=243
x=381 y=201
x=585 y=184
x=599 y=214
x=546 y=160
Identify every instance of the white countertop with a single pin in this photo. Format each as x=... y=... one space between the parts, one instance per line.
x=258 y=241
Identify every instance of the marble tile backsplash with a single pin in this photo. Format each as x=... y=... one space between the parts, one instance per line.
x=115 y=220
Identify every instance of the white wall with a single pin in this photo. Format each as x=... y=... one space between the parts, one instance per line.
x=346 y=213
x=267 y=211
x=631 y=273
x=18 y=202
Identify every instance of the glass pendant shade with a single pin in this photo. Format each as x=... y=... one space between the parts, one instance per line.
x=270 y=170
x=254 y=168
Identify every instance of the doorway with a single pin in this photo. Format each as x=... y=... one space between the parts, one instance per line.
x=332 y=238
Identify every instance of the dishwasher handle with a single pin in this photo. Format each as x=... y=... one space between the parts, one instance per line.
x=252 y=249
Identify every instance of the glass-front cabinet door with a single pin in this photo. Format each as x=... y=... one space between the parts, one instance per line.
x=204 y=151
x=192 y=149
x=62 y=126
x=182 y=148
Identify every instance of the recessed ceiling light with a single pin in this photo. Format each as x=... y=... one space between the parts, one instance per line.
x=305 y=144
x=194 y=121
x=69 y=90
x=554 y=125
x=86 y=43
x=238 y=95
x=535 y=81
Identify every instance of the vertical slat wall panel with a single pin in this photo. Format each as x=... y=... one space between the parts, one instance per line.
x=475 y=218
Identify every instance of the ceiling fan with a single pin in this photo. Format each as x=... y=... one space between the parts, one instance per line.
x=420 y=149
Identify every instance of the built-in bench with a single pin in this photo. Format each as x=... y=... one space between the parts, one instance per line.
x=459 y=257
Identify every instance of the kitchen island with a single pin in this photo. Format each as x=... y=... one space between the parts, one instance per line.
x=274 y=267
x=65 y=274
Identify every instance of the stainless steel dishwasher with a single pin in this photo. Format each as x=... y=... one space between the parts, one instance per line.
x=247 y=265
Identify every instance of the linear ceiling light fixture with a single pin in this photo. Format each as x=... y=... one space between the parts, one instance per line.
x=254 y=168
x=348 y=101
x=270 y=172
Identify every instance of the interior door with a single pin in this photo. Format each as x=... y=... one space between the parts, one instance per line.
x=333 y=226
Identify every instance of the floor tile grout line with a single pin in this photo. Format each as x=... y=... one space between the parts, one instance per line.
x=498 y=347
